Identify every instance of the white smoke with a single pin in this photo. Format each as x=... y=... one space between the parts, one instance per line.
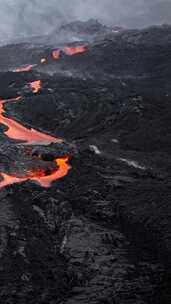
x=37 y=17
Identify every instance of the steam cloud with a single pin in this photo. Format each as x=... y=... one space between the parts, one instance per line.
x=37 y=17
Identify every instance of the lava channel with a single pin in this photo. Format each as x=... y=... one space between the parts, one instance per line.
x=18 y=132
x=70 y=51
x=31 y=136
x=39 y=176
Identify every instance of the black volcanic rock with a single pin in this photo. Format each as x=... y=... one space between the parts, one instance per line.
x=101 y=234
x=127 y=54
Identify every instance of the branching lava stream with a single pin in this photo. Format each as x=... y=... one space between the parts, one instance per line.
x=17 y=131
x=31 y=136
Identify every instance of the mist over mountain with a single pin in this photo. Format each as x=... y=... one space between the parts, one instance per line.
x=24 y=18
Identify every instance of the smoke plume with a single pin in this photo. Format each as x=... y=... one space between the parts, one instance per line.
x=36 y=17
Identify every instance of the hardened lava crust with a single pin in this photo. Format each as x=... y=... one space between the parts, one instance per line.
x=85 y=167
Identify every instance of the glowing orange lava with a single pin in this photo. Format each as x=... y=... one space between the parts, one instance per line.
x=68 y=51
x=26 y=68
x=36 y=86
x=31 y=136
x=74 y=50
x=19 y=132
x=56 y=54
x=41 y=178
x=63 y=168
x=9 y=180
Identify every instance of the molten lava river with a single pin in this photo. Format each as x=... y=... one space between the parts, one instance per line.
x=39 y=176
x=17 y=131
x=31 y=136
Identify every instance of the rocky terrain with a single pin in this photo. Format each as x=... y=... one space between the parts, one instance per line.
x=85 y=214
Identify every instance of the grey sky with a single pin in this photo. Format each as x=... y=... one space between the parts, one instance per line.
x=32 y=17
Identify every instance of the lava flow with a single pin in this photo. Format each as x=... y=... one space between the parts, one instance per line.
x=26 y=68
x=74 y=50
x=61 y=171
x=18 y=132
x=70 y=51
x=39 y=176
x=36 y=86
x=31 y=136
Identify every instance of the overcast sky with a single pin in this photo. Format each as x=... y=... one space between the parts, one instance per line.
x=32 y=17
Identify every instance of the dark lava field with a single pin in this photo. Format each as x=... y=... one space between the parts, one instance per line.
x=85 y=167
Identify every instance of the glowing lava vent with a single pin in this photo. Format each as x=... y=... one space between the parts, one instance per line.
x=36 y=86
x=56 y=54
